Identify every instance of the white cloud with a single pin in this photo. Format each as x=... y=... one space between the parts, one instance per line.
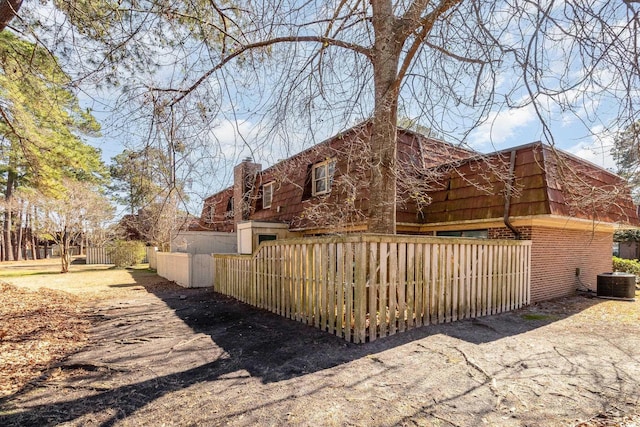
x=596 y=149
x=501 y=128
x=232 y=134
x=595 y=154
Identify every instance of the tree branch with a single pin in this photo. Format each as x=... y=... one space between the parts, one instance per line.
x=426 y=24
x=327 y=41
x=454 y=55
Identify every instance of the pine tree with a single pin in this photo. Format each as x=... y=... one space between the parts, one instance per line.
x=41 y=124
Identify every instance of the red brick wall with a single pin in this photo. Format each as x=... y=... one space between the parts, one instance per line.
x=555 y=255
x=505 y=233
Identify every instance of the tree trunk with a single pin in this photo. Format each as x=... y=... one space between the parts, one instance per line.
x=34 y=240
x=382 y=202
x=18 y=233
x=6 y=231
x=65 y=258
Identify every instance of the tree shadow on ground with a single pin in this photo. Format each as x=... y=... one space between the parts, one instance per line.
x=238 y=338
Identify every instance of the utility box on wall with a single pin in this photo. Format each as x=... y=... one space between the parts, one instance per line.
x=251 y=233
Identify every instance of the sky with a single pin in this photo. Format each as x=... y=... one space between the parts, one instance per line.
x=234 y=133
x=509 y=129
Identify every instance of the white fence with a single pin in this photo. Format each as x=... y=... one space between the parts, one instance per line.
x=100 y=255
x=152 y=258
x=187 y=270
x=190 y=264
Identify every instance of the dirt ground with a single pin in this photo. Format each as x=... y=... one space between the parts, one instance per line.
x=158 y=354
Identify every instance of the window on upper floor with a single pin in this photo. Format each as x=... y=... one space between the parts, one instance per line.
x=210 y=213
x=229 y=212
x=267 y=195
x=322 y=177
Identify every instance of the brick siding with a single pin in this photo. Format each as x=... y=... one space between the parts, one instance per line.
x=505 y=233
x=555 y=255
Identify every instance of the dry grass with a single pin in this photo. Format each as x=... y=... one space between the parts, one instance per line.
x=44 y=317
x=37 y=330
x=87 y=282
x=584 y=311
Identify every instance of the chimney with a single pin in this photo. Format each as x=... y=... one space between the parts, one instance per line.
x=244 y=179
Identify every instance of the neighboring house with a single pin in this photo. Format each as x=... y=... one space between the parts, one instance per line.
x=626 y=250
x=567 y=206
x=147 y=227
x=626 y=244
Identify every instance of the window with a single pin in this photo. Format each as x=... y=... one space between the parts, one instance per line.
x=266 y=237
x=477 y=234
x=229 y=212
x=211 y=214
x=322 y=177
x=267 y=195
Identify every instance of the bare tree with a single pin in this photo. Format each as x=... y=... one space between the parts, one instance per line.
x=65 y=219
x=315 y=64
x=449 y=57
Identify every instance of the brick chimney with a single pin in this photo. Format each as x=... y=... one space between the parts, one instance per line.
x=244 y=179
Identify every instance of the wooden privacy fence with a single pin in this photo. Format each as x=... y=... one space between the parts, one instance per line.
x=100 y=255
x=361 y=287
x=97 y=255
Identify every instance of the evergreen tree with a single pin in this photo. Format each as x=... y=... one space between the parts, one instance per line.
x=626 y=154
x=40 y=127
x=137 y=177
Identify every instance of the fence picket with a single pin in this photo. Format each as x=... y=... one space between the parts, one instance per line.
x=317 y=289
x=340 y=302
x=360 y=293
x=324 y=271
x=384 y=310
x=374 y=286
x=402 y=286
x=348 y=278
x=411 y=286
x=393 y=284
x=419 y=284
x=455 y=282
x=426 y=291
x=369 y=286
x=331 y=289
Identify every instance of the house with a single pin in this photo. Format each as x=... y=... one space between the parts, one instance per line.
x=568 y=207
x=626 y=244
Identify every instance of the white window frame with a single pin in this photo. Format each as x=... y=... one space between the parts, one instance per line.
x=268 y=185
x=229 y=210
x=211 y=215
x=329 y=169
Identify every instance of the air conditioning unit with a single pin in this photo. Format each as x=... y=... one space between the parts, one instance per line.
x=617 y=285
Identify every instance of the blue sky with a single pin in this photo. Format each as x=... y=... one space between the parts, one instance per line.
x=511 y=128
x=232 y=137
x=243 y=124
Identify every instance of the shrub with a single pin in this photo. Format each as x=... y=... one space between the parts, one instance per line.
x=626 y=265
x=126 y=253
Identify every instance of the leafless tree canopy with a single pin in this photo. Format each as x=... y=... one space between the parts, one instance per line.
x=304 y=69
